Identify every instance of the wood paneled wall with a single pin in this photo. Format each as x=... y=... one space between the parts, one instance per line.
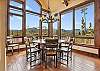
x=97 y=25
x=3 y=30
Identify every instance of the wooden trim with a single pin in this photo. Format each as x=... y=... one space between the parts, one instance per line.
x=99 y=52
x=85 y=37
x=15 y=14
x=33 y=12
x=23 y=21
x=15 y=7
x=88 y=46
x=8 y=18
x=85 y=53
x=81 y=4
x=73 y=22
x=18 y=1
x=40 y=25
x=60 y=25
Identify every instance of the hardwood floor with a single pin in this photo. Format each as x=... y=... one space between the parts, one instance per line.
x=17 y=62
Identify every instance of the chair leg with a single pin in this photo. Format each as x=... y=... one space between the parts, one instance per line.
x=30 y=60
x=71 y=55
x=56 y=61
x=62 y=56
x=12 y=50
x=18 y=49
x=67 y=57
x=46 y=62
x=26 y=55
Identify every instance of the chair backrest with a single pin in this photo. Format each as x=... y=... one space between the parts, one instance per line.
x=27 y=42
x=51 y=43
x=9 y=39
x=71 y=43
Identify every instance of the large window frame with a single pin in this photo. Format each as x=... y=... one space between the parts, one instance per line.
x=73 y=9
x=22 y=13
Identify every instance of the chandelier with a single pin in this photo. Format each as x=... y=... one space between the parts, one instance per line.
x=65 y=2
x=48 y=18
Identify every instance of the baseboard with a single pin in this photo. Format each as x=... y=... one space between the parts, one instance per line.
x=86 y=53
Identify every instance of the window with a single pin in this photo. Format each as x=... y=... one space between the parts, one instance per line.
x=84 y=24
x=15 y=11
x=13 y=3
x=55 y=29
x=32 y=5
x=32 y=25
x=44 y=29
x=67 y=24
x=15 y=25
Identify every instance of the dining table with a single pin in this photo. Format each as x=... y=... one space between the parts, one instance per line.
x=42 y=41
x=41 y=45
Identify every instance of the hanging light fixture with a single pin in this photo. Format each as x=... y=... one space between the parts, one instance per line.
x=65 y=2
x=48 y=18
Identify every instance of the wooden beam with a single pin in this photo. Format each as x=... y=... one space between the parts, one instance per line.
x=73 y=22
x=45 y=10
x=59 y=26
x=23 y=21
x=8 y=19
x=81 y=4
x=40 y=26
x=38 y=3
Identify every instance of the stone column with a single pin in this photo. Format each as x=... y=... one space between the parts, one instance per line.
x=3 y=29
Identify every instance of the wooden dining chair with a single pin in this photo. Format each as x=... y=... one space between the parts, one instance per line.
x=33 y=54
x=51 y=50
x=11 y=45
x=66 y=49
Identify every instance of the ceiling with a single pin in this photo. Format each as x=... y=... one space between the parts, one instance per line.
x=57 y=5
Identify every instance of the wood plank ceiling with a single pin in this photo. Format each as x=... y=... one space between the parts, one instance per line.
x=57 y=5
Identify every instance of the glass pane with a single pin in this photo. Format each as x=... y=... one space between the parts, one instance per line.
x=32 y=5
x=55 y=29
x=66 y=24
x=16 y=11
x=84 y=24
x=32 y=25
x=15 y=25
x=45 y=29
x=13 y=3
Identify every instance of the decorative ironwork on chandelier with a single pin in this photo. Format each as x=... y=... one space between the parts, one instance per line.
x=49 y=19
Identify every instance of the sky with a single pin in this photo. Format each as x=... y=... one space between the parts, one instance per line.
x=66 y=19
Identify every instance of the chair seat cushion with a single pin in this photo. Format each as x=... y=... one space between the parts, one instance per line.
x=51 y=53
